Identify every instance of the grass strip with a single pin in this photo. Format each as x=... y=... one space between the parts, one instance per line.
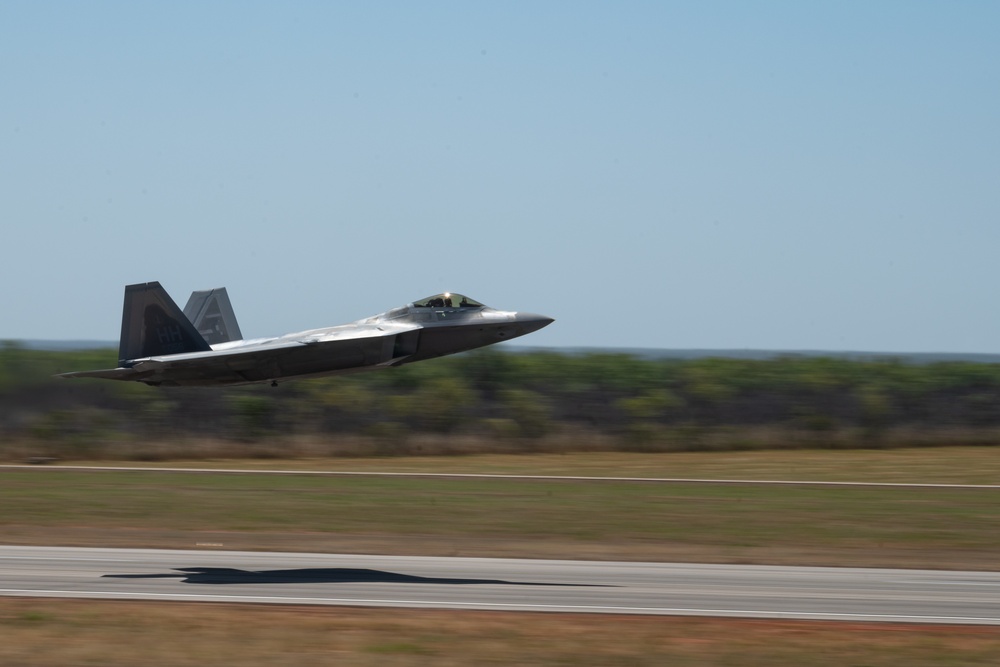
x=897 y=527
x=47 y=633
x=936 y=465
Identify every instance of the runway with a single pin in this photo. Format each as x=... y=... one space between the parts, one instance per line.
x=914 y=596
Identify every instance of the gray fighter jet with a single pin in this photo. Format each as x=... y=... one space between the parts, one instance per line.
x=203 y=346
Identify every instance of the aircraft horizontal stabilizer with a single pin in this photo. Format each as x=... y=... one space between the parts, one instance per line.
x=105 y=373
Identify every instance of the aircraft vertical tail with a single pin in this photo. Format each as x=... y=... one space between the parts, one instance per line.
x=153 y=325
x=212 y=315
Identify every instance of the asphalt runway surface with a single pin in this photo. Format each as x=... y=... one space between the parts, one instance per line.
x=844 y=594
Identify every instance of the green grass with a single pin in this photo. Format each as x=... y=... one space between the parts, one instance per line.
x=713 y=522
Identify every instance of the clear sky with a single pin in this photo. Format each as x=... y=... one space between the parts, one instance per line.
x=775 y=175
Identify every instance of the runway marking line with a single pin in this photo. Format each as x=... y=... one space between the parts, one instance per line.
x=546 y=478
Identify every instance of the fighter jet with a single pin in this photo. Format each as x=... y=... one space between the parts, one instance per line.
x=203 y=346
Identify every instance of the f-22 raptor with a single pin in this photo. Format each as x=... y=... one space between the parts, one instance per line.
x=202 y=345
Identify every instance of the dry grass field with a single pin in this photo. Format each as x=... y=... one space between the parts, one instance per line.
x=720 y=523
x=56 y=633
x=939 y=465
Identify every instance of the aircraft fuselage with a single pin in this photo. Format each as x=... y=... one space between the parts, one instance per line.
x=425 y=329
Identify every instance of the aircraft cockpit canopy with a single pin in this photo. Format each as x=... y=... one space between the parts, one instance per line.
x=447 y=300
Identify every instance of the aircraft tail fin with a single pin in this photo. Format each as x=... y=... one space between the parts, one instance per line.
x=212 y=315
x=153 y=325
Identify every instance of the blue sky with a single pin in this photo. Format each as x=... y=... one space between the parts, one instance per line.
x=775 y=175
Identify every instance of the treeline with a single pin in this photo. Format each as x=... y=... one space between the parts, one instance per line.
x=495 y=400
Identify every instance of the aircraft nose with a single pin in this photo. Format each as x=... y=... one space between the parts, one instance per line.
x=532 y=321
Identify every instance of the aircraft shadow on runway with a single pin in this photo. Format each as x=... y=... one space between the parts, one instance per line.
x=326 y=575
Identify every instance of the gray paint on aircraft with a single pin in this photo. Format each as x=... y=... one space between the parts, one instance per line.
x=162 y=345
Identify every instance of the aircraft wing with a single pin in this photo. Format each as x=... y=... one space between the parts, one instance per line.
x=227 y=365
x=333 y=350
x=241 y=364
